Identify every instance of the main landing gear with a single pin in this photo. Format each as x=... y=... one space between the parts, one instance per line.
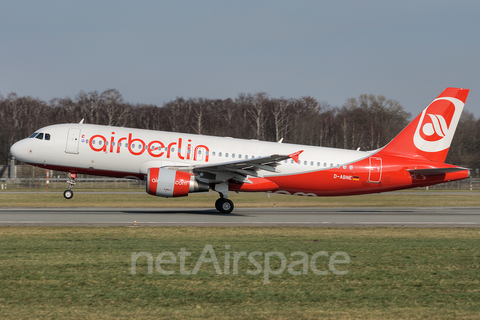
x=223 y=204
x=68 y=194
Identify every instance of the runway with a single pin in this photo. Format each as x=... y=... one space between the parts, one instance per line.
x=304 y=217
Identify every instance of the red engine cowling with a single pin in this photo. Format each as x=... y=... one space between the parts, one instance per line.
x=168 y=183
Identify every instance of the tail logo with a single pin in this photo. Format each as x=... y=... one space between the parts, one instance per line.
x=437 y=124
x=436 y=128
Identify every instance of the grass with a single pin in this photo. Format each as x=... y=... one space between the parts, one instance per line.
x=66 y=272
x=392 y=199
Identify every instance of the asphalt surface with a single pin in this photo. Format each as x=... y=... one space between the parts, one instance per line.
x=305 y=217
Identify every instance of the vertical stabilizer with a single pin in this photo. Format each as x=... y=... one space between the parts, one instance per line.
x=430 y=134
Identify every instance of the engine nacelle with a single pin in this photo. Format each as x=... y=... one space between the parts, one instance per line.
x=168 y=183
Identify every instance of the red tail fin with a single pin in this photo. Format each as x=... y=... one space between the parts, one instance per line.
x=431 y=133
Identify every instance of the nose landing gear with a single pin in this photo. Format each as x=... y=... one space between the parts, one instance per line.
x=68 y=194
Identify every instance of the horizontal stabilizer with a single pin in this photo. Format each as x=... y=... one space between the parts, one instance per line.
x=436 y=171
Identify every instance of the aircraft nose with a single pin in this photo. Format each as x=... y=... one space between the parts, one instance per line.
x=18 y=150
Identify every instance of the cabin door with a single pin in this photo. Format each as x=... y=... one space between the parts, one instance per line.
x=73 y=140
x=375 y=170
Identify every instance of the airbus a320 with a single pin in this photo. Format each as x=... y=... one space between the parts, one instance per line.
x=177 y=164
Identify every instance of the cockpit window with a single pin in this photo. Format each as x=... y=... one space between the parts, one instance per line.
x=40 y=135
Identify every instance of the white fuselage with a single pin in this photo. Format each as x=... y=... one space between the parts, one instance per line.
x=126 y=152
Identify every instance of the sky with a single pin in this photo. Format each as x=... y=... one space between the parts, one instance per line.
x=155 y=51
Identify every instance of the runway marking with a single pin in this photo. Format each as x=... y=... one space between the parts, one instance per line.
x=242 y=223
x=299 y=217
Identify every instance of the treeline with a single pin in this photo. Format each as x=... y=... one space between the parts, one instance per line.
x=367 y=122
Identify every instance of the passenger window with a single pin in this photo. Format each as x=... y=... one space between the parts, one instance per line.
x=133 y=145
x=318 y=164
x=324 y=164
x=213 y=153
x=351 y=167
x=199 y=151
x=233 y=155
x=173 y=149
x=226 y=154
x=47 y=136
x=331 y=165
x=239 y=156
x=93 y=141
x=292 y=161
x=246 y=156
x=39 y=136
x=219 y=154
x=311 y=163
x=100 y=142
x=113 y=144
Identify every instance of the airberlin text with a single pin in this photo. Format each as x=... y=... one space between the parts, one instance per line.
x=154 y=148
x=274 y=263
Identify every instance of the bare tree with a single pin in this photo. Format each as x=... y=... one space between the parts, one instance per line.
x=90 y=105
x=257 y=109
x=201 y=109
x=178 y=113
x=114 y=111
x=280 y=118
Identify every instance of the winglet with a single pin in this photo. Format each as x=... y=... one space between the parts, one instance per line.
x=295 y=155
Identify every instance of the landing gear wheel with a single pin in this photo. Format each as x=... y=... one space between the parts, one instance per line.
x=68 y=194
x=224 y=205
x=218 y=203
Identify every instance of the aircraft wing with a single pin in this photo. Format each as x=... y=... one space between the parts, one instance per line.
x=239 y=170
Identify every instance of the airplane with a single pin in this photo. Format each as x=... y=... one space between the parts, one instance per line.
x=177 y=164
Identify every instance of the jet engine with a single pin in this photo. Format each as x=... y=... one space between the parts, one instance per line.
x=163 y=182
